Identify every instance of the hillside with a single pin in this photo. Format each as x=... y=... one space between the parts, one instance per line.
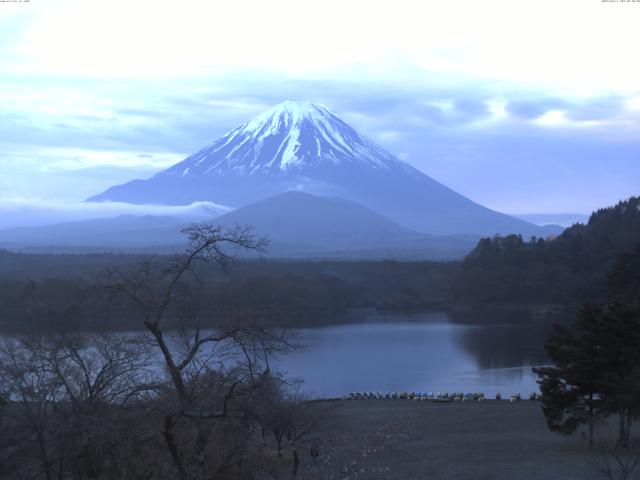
x=567 y=268
x=300 y=224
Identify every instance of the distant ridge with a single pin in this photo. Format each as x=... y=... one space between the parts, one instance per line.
x=297 y=224
x=561 y=219
x=121 y=231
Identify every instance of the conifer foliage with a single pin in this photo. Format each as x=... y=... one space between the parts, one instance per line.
x=596 y=371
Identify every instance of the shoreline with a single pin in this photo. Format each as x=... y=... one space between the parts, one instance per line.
x=487 y=440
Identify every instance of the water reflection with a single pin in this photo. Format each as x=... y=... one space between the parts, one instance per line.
x=425 y=352
x=504 y=346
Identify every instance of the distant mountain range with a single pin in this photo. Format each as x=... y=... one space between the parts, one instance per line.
x=300 y=146
x=296 y=224
x=562 y=219
x=121 y=232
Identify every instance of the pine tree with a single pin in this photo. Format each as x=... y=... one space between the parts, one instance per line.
x=620 y=332
x=573 y=389
x=596 y=370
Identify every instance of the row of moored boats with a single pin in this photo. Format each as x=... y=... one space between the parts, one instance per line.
x=434 y=396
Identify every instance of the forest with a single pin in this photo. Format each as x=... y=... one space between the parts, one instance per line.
x=570 y=268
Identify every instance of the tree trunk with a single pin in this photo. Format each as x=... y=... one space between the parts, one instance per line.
x=264 y=439
x=623 y=431
x=591 y=420
x=172 y=446
x=296 y=463
x=43 y=456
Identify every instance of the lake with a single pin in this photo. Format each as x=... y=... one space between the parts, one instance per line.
x=426 y=352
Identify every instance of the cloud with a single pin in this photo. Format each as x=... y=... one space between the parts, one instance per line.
x=17 y=212
x=42 y=159
x=552 y=117
x=490 y=40
x=497 y=108
x=72 y=173
x=444 y=106
x=633 y=103
x=532 y=108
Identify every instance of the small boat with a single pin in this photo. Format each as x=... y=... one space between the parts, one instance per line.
x=441 y=399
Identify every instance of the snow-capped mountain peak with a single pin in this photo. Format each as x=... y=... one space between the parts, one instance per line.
x=292 y=113
x=302 y=146
x=287 y=138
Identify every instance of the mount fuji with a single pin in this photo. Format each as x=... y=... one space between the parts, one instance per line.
x=302 y=146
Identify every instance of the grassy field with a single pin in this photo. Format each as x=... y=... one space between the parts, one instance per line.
x=403 y=439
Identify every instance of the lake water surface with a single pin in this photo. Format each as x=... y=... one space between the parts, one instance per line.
x=419 y=352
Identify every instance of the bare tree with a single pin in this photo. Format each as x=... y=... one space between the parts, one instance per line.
x=7 y=442
x=34 y=391
x=186 y=398
x=96 y=370
x=67 y=400
x=292 y=418
x=614 y=460
x=101 y=377
x=306 y=420
x=212 y=374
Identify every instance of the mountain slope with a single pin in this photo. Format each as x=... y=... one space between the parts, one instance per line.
x=303 y=146
x=327 y=222
x=298 y=223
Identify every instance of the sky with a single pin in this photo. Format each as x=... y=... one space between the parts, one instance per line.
x=522 y=106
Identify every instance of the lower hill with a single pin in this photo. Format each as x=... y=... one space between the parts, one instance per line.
x=303 y=224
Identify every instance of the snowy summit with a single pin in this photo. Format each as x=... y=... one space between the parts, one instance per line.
x=289 y=136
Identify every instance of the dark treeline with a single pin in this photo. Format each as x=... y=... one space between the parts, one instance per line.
x=568 y=269
x=58 y=291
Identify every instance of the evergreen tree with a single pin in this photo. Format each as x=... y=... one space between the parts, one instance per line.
x=572 y=390
x=620 y=332
x=596 y=368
